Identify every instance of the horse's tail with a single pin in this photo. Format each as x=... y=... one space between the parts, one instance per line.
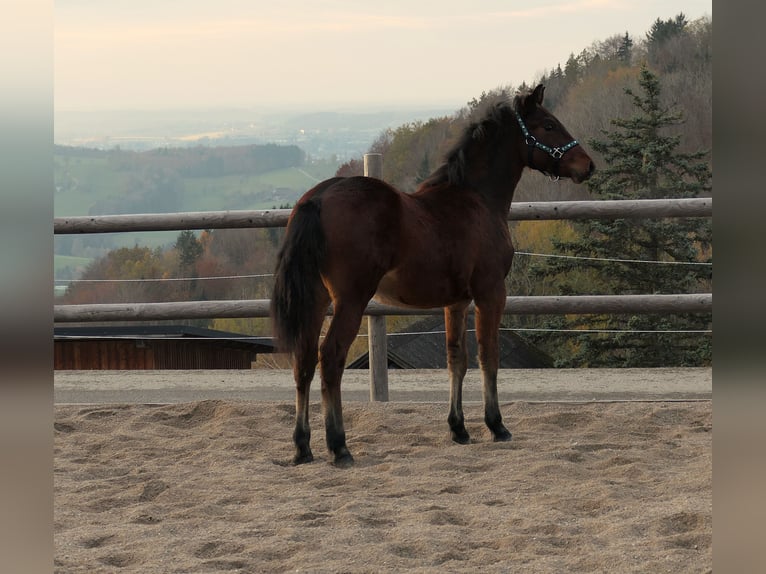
x=297 y=279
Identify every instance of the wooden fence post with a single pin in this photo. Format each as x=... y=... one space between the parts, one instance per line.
x=376 y=325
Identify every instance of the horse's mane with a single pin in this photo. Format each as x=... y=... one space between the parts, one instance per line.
x=492 y=124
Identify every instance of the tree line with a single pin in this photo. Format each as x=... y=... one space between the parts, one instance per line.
x=197 y=161
x=587 y=93
x=203 y=161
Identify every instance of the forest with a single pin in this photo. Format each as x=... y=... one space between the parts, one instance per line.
x=642 y=107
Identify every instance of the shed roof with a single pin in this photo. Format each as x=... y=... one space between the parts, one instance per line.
x=164 y=332
x=424 y=347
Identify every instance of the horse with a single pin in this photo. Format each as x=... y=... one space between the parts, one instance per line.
x=352 y=239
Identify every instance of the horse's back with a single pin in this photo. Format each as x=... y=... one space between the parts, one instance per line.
x=354 y=188
x=359 y=205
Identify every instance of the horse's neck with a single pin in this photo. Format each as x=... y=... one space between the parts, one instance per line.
x=497 y=176
x=496 y=197
x=498 y=190
x=495 y=185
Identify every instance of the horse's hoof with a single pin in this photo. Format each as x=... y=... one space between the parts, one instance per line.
x=344 y=460
x=303 y=458
x=460 y=437
x=502 y=436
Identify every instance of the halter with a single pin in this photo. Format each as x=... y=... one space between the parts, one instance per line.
x=555 y=152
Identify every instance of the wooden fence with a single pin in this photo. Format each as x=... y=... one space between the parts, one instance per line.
x=587 y=304
x=529 y=211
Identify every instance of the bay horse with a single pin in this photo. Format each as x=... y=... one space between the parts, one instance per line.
x=350 y=240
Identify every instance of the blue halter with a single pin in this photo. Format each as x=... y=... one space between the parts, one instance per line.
x=555 y=152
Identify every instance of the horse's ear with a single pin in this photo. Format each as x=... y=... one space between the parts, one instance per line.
x=531 y=101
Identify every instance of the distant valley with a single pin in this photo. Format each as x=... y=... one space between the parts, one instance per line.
x=151 y=162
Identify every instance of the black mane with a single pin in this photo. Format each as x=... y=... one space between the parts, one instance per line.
x=493 y=125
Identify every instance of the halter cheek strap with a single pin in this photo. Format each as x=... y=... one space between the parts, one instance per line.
x=555 y=152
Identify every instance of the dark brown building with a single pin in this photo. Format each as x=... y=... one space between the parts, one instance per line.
x=154 y=347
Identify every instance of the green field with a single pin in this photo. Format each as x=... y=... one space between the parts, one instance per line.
x=62 y=261
x=263 y=191
x=88 y=182
x=80 y=182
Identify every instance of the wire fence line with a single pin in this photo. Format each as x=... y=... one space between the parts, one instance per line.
x=613 y=260
x=397 y=334
x=269 y=275
x=161 y=279
x=546 y=330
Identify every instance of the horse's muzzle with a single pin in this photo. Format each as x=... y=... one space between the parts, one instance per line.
x=579 y=177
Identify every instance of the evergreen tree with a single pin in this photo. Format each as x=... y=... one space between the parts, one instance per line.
x=663 y=42
x=625 y=51
x=662 y=30
x=640 y=161
x=189 y=250
x=572 y=70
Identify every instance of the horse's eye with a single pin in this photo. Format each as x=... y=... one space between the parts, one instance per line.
x=548 y=126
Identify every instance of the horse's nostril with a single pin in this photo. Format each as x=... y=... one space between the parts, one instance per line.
x=592 y=168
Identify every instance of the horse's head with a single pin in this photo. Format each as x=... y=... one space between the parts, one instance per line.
x=549 y=146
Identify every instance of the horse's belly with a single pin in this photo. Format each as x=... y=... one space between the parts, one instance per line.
x=418 y=292
x=390 y=291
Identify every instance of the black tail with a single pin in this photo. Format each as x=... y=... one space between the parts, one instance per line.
x=297 y=279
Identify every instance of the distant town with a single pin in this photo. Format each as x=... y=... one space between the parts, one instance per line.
x=331 y=134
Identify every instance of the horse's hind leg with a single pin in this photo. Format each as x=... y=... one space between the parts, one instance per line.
x=457 y=365
x=304 y=366
x=488 y=315
x=333 y=351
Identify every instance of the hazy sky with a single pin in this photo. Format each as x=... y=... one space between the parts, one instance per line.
x=159 y=54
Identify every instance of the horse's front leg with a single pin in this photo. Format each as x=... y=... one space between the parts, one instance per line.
x=488 y=315
x=457 y=364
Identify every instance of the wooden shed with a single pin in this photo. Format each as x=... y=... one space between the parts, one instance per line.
x=154 y=347
x=425 y=347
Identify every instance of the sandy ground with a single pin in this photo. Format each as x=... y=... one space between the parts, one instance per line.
x=206 y=486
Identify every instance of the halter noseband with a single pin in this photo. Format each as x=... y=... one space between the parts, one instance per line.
x=555 y=152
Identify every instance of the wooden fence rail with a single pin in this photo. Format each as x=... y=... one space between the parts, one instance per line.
x=530 y=305
x=529 y=211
